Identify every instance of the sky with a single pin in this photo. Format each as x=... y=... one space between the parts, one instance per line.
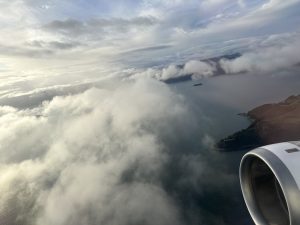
x=90 y=133
x=62 y=36
x=49 y=44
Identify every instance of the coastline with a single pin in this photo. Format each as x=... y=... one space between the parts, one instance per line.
x=271 y=123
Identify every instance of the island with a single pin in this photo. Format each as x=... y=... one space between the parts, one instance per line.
x=197 y=84
x=271 y=123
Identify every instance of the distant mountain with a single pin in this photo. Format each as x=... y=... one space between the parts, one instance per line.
x=216 y=60
x=272 y=123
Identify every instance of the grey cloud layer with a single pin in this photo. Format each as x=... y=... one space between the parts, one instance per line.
x=59 y=30
x=94 y=26
x=54 y=44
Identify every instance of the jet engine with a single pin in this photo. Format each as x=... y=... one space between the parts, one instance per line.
x=270 y=182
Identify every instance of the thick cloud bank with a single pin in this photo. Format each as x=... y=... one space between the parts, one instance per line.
x=92 y=158
x=105 y=156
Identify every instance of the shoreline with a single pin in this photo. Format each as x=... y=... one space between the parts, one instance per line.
x=272 y=123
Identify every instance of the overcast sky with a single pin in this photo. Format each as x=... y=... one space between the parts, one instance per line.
x=37 y=37
x=50 y=45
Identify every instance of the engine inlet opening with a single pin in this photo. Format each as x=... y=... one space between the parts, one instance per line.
x=266 y=193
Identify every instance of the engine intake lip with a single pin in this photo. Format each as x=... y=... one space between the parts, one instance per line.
x=265 y=182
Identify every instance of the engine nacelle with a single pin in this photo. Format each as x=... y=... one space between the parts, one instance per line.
x=270 y=182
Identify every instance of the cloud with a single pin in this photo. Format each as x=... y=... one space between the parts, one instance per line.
x=199 y=68
x=109 y=156
x=111 y=174
x=266 y=59
x=262 y=54
x=194 y=68
x=151 y=48
x=54 y=44
x=208 y=4
x=95 y=26
x=101 y=31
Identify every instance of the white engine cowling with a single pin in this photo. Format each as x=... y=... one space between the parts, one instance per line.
x=270 y=182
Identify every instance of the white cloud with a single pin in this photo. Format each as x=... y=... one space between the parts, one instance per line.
x=199 y=68
x=95 y=157
x=108 y=156
x=171 y=71
x=266 y=59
